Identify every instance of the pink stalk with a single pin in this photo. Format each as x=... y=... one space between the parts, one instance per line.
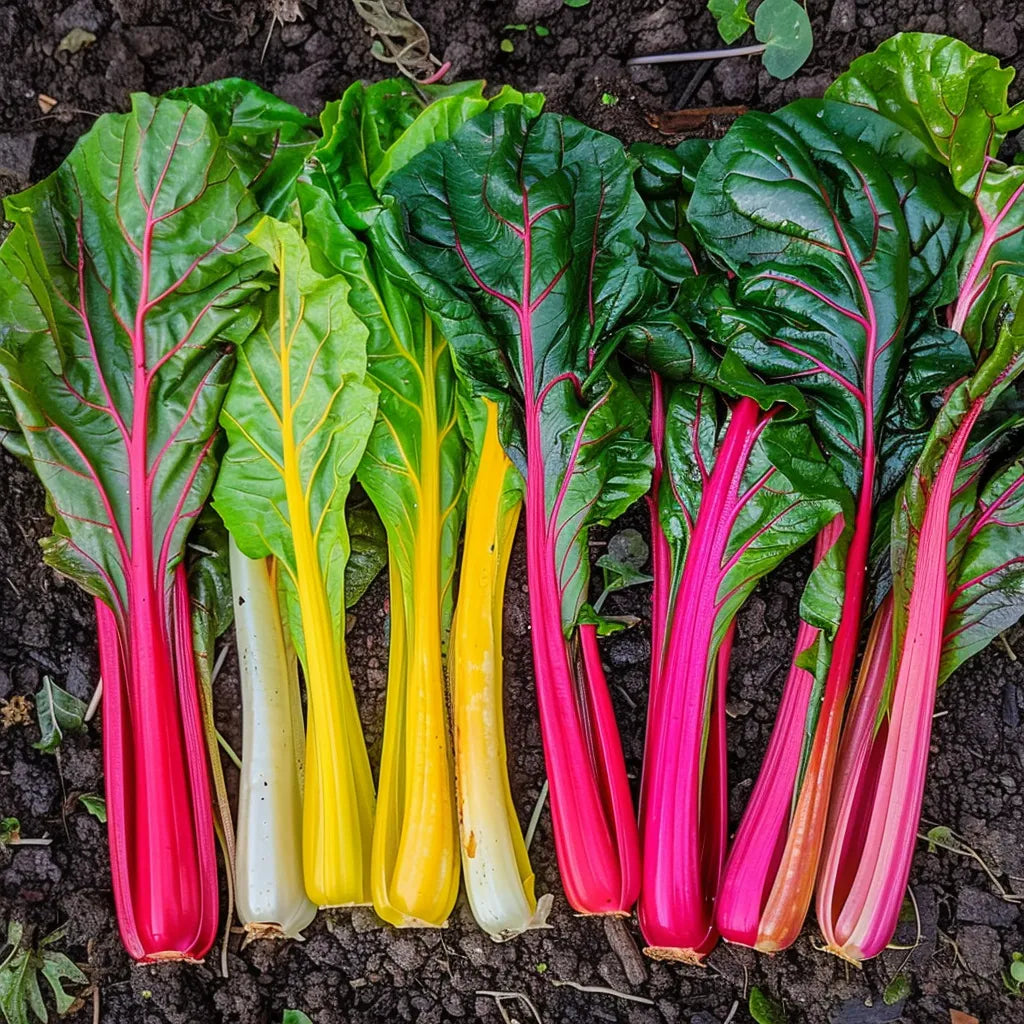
x=159 y=824
x=684 y=799
x=591 y=806
x=882 y=783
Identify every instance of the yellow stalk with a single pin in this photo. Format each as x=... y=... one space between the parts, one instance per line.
x=415 y=860
x=496 y=865
x=337 y=813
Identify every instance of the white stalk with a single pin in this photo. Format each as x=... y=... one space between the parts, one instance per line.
x=270 y=891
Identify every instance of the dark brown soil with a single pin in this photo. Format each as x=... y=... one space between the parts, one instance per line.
x=350 y=968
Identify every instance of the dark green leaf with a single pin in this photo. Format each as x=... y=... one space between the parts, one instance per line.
x=295 y=1017
x=785 y=29
x=95 y=805
x=59 y=712
x=459 y=239
x=369 y=551
x=576 y=3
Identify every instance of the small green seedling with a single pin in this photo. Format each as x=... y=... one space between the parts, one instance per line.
x=1013 y=976
x=764 y=1009
x=609 y=99
x=21 y=969
x=507 y=46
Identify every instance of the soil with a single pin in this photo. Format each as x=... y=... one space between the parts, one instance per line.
x=351 y=968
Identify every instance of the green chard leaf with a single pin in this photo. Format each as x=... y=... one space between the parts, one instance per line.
x=369 y=549
x=949 y=96
x=413 y=469
x=953 y=100
x=461 y=245
x=297 y=416
x=268 y=139
x=95 y=805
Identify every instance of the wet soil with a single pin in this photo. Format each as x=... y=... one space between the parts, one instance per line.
x=351 y=968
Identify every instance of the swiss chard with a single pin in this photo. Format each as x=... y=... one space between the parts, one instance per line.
x=521 y=235
x=833 y=223
x=740 y=492
x=129 y=283
x=948 y=559
x=297 y=416
x=413 y=474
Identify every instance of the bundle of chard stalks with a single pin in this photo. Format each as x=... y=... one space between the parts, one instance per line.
x=252 y=356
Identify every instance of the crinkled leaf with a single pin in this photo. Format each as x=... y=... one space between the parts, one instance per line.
x=732 y=17
x=830 y=235
x=785 y=29
x=547 y=198
x=95 y=329
x=59 y=712
x=268 y=139
x=948 y=95
x=10 y=830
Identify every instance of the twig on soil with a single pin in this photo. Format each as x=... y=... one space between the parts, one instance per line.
x=499 y=997
x=95 y=1004
x=733 y=1010
x=602 y=990
x=967 y=851
x=917 y=938
x=94 y=703
x=624 y=947
x=957 y=955
x=535 y=817
x=1010 y=653
x=401 y=40
x=679 y=58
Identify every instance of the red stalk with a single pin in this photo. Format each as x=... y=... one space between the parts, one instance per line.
x=684 y=798
x=159 y=823
x=882 y=783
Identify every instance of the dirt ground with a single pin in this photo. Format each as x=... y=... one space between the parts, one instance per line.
x=351 y=968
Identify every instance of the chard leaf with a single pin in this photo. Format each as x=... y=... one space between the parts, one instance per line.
x=59 y=712
x=948 y=95
x=830 y=235
x=468 y=207
x=298 y=414
x=988 y=590
x=778 y=497
x=268 y=139
x=131 y=282
x=374 y=130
